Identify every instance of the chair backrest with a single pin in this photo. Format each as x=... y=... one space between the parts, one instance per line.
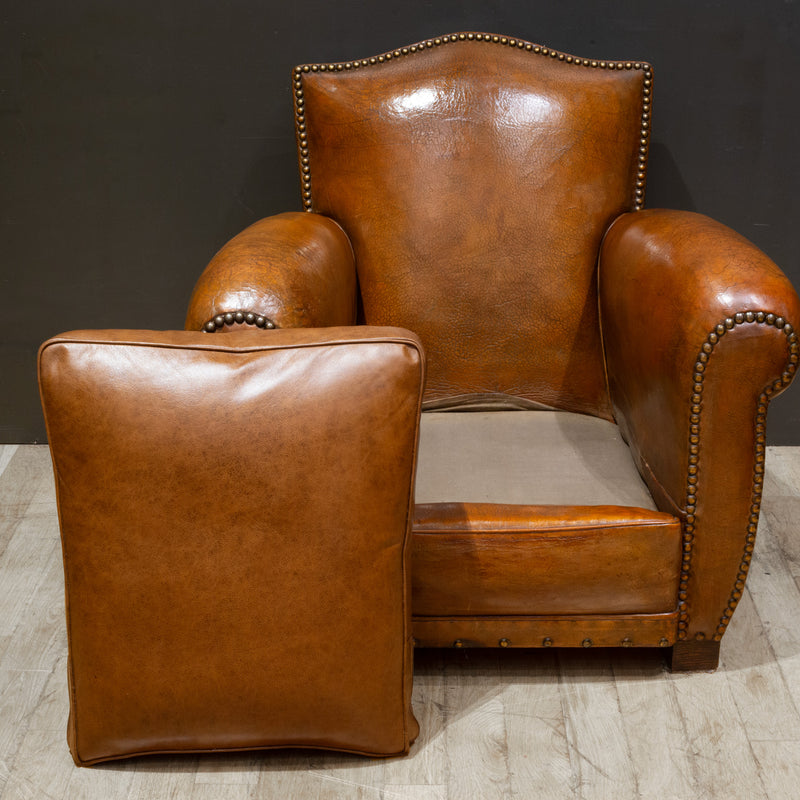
x=476 y=176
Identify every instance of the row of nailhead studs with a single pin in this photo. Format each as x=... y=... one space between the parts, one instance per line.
x=758 y=469
x=644 y=138
x=644 y=134
x=744 y=317
x=238 y=317
x=548 y=642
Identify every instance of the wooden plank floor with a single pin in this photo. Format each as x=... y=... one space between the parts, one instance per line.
x=495 y=724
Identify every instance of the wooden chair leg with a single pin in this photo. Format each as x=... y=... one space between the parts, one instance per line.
x=689 y=656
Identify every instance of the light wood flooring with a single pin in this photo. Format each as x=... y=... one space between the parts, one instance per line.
x=496 y=724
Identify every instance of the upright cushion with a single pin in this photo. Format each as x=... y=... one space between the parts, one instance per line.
x=234 y=517
x=476 y=177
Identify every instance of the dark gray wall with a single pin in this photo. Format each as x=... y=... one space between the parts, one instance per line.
x=137 y=137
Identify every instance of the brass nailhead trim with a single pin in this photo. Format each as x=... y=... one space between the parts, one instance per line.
x=458 y=643
x=547 y=642
x=626 y=642
x=587 y=643
x=663 y=643
x=536 y=49
x=713 y=338
x=237 y=318
x=504 y=643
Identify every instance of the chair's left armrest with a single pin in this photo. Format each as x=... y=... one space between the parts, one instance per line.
x=698 y=328
x=292 y=270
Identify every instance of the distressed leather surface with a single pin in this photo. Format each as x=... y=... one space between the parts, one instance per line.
x=219 y=498
x=687 y=386
x=475 y=181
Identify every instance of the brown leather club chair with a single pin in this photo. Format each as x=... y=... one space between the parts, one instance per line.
x=617 y=363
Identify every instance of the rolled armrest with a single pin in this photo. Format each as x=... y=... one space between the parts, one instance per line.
x=288 y=271
x=699 y=334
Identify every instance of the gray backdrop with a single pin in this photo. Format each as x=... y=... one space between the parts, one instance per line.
x=137 y=137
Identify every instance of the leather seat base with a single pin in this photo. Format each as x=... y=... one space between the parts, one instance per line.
x=473 y=559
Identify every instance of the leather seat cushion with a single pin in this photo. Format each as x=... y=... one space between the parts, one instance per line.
x=215 y=535
x=530 y=551
x=479 y=558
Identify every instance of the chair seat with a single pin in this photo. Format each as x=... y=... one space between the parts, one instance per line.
x=525 y=458
x=529 y=550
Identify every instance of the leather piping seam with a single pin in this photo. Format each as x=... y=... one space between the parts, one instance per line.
x=427 y=44
x=237 y=318
x=72 y=719
x=235 y=749
x=405 y=561
x=706 y=350
x=242 y=350
x=549 y=533
x=550 y=617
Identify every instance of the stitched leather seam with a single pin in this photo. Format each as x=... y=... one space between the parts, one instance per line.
x=706 y=350
x=427 y=44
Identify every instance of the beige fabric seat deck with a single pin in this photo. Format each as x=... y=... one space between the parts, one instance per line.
x=525 y=457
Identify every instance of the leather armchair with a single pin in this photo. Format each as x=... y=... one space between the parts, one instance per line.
x=488 y=194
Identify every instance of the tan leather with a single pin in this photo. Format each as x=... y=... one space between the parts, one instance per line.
x=697 y=324
x=292 y=270
x=474 y=559
x=475 y=181
x=235 y=520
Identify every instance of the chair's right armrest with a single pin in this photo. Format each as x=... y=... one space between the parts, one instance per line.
x=699 y=331
x=293 y=270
